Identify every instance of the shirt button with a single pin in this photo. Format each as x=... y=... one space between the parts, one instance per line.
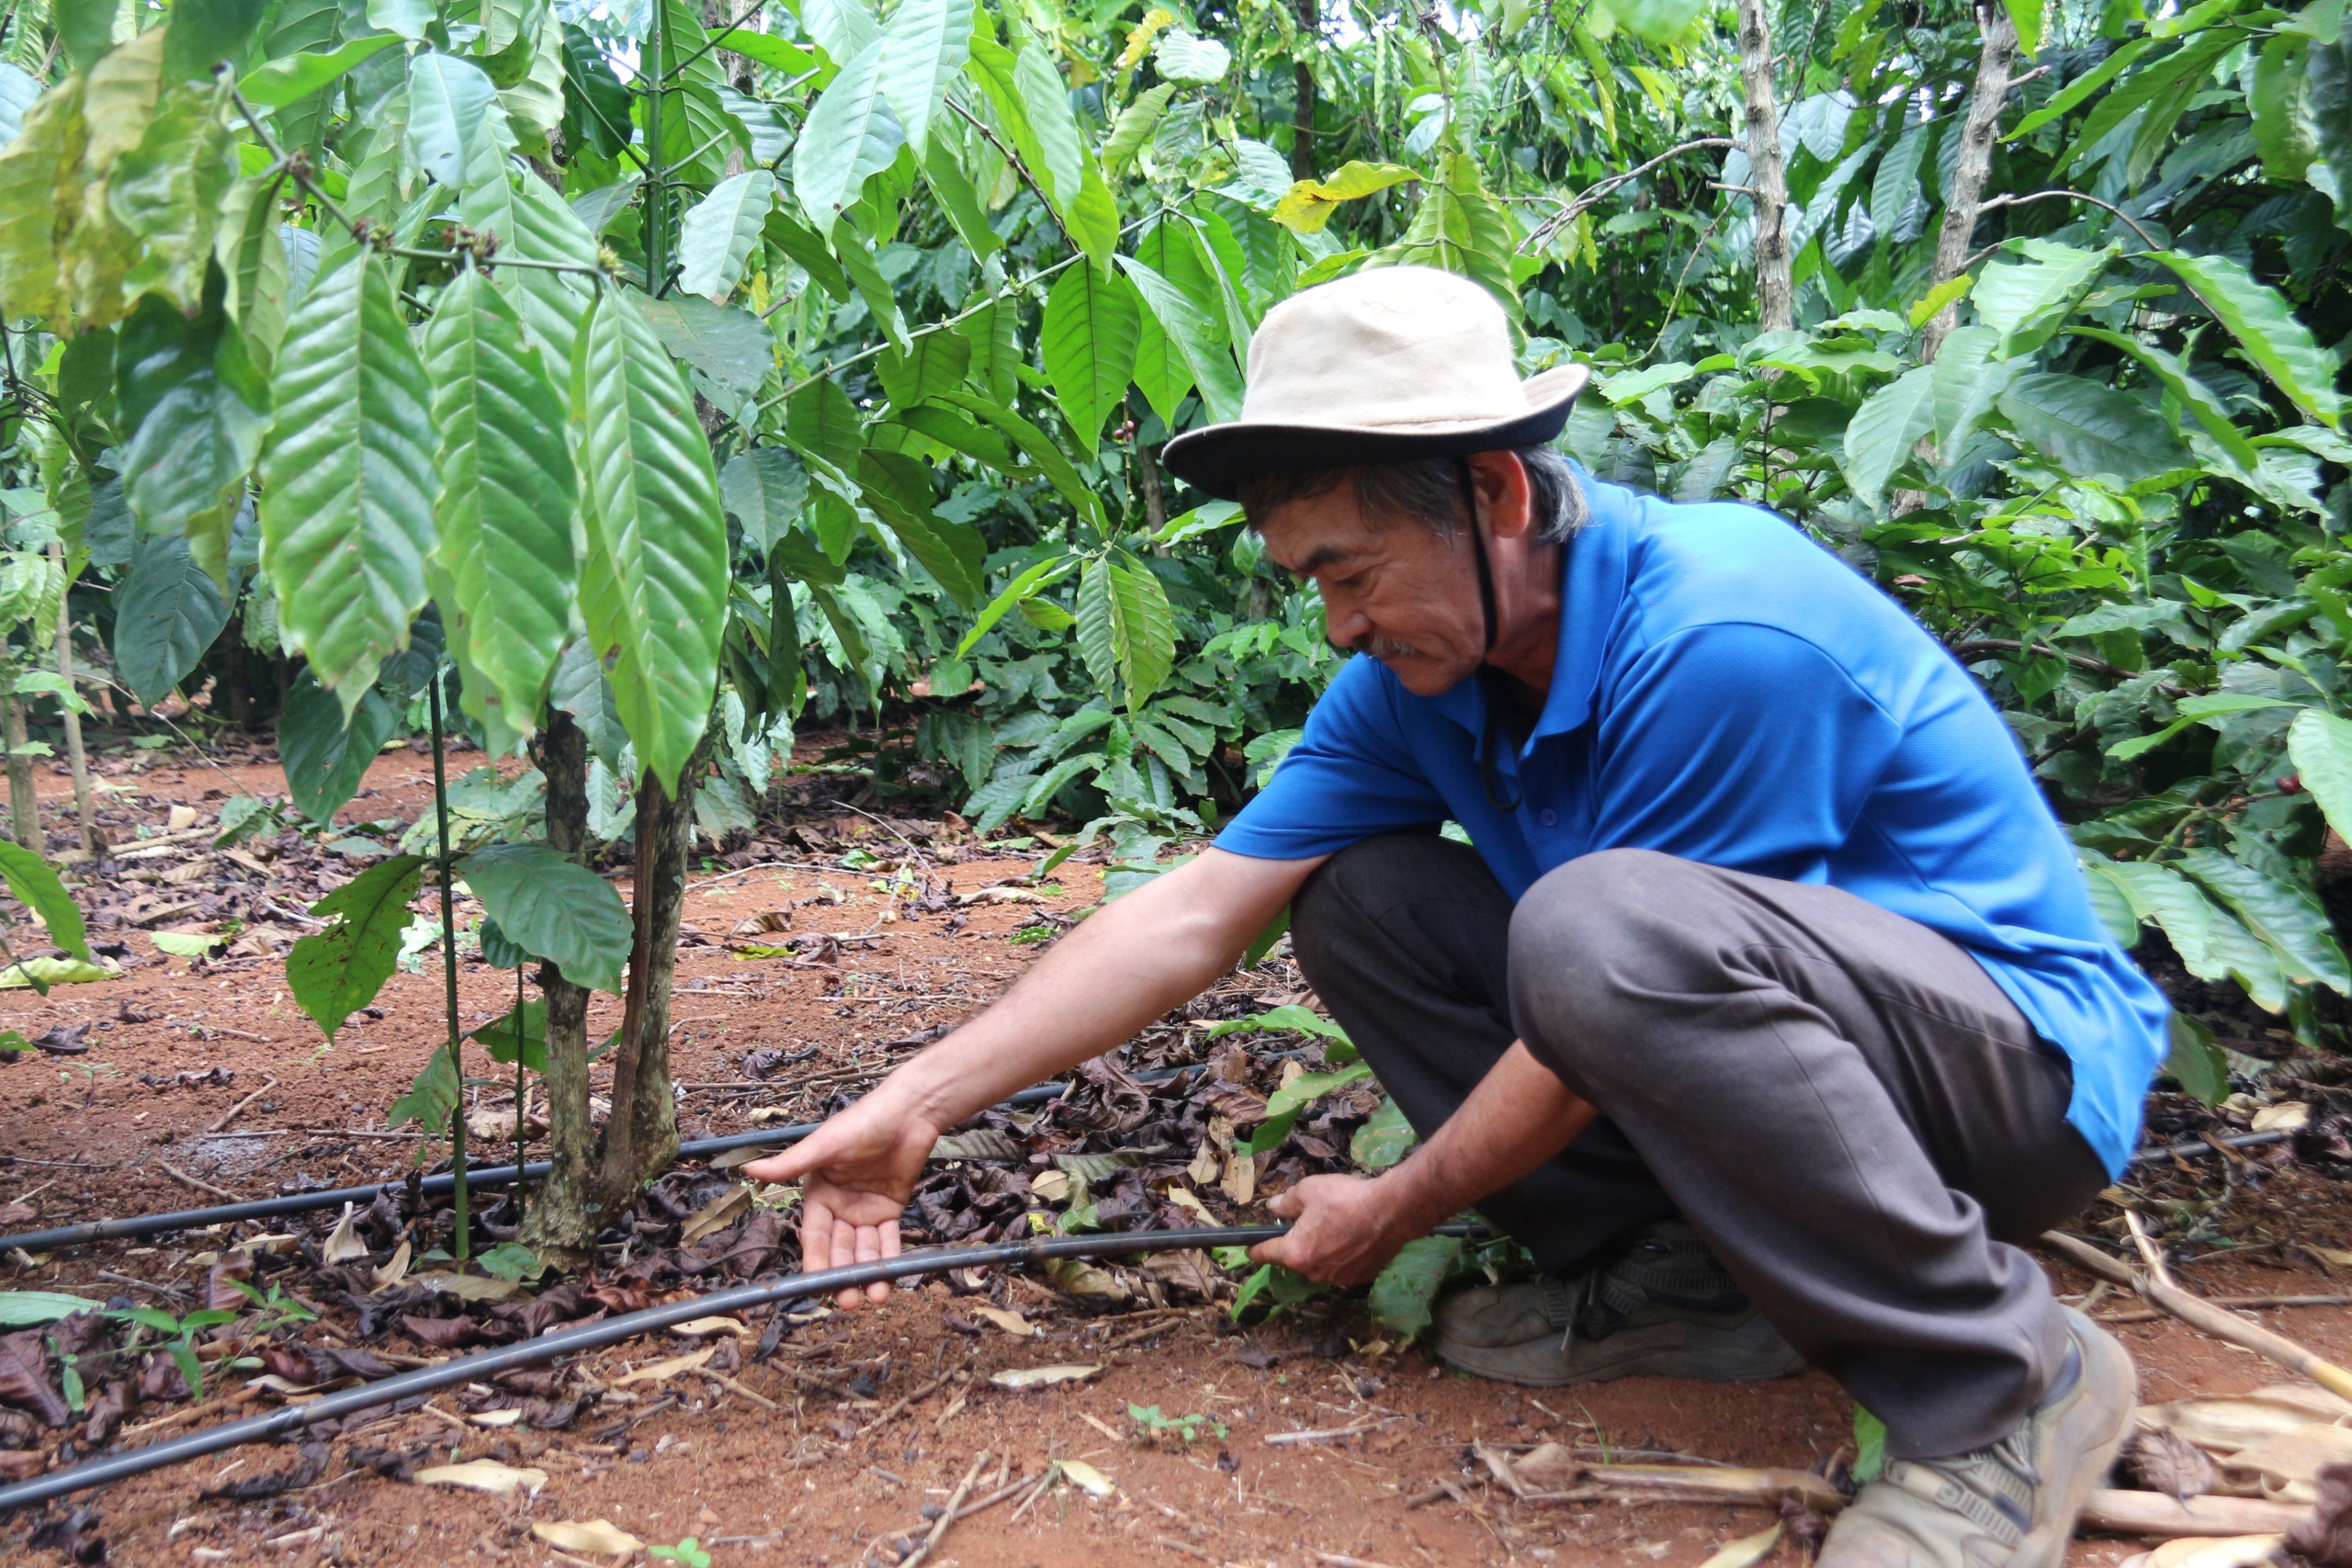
x=1549 y=817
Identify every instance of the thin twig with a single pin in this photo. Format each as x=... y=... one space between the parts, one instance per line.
x=1999 y=201
x=232 y=1113
x=185 y=1179
x=947 y=1515
x=1542 y=233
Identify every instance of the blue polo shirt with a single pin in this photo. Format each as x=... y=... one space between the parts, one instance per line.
x=1728 y=691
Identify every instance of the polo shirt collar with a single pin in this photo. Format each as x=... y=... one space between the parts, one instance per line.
x=1593 y=572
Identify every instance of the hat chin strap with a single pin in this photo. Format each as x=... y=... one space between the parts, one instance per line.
x=1478 y=552
x=1490 y=742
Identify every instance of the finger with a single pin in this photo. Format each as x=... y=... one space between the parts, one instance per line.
x=790 y=1165
x=1286 y=1204
x=1275 y=1251
x=844 y=1255
x=869 y=1250
x=880 y=1290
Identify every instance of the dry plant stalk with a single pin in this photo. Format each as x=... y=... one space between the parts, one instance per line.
x=2159 y=1290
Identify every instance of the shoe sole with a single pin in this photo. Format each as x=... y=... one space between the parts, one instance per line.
x=2106 y=1363
x=1634 y=1353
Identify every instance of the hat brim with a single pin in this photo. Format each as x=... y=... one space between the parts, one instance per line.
x=1219 y=458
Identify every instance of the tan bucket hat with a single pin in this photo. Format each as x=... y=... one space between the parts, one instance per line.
x=1388 y=365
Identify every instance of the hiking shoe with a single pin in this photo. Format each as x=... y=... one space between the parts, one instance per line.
x=1663 y=1307
x=2012 y=1504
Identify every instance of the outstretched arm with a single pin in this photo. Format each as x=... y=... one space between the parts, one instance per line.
x=1124 y=966
x=1518 y=1116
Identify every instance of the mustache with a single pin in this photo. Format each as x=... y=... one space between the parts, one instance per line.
x=1381 y=647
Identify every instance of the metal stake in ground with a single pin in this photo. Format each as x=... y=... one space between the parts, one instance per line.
x=449 y=973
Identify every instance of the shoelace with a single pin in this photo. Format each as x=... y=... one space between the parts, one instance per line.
x=1992 y=1487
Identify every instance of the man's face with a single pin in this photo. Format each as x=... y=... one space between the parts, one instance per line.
x=1393 y=589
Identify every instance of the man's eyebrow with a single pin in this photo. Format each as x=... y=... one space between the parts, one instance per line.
x=1317 y=560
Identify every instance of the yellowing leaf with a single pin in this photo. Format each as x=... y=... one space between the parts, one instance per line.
x=1942 y=295
x=1139 y=38
x=1040 y=1377
x=2282 y=1118
x=596 y=1535
x=1013 y=1323
x=40 y=971
x=1747 y=1550
x=485 y=1475
x=1184 y=1198
x=1309 y=204
x=1086 y=1478
x=705 y=1327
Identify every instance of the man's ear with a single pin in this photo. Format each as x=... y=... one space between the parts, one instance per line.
x=1500 y=480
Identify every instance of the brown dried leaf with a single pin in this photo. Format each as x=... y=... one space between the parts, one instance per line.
x=2162 y=1460
x=24 y=1377
x=221 y=1293
x=2324 y=1534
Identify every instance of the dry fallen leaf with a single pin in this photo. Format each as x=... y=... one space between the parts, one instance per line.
x=2207 y=1551
x=999 y=896
x=1747 y=1550
x=717 y=1214
x=2285 y=1468
x=345 y=1244
x=2224 y=1423
x=1240 y=1182
x=484 y=1475
x=2287 y=1118
x=1040 y=1377
x=1050 y=1186
x=1203 y=1170
x=1185 y=1199
x=704 y=1327
x=594 y=1535
x=495 y=1418
x=656 y=1371
x=1013 y=1323
x=1086 y=1478
x=468 y=1287
x=394 y=1271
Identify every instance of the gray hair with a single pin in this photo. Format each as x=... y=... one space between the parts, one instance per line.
x=1427 y=490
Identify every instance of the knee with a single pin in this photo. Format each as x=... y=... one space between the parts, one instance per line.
x=1594 y=941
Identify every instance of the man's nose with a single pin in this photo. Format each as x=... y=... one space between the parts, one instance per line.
x=1344 y=624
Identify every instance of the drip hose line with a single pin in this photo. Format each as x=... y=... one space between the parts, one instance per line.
x=481 y=1365
x=699 y=1148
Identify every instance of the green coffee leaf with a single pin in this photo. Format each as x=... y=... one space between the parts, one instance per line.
x=715 y=239
x=431 y=1099
x=1403 y=1296
x=324 y=751
x=522 y=1034
x=653 y=588
x=1089 y=344
x=2089 y=428
x=346 y=515
x=549 y=905
x=36 y=886
x=2266 y=327
x=924 y=46
x=167 y=612
x=508 y=494
x=336 y=972
x=1880 y=436
x=850 y=134
x=1384 y=1139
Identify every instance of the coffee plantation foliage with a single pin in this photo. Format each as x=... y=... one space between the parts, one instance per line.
x=699 y=372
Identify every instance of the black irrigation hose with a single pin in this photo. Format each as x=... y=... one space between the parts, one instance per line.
x=481 y=1364
x=428 y=1187
x=500 y=1175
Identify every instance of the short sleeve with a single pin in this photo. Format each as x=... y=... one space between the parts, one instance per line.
x=1740 y=746
x=1351 y=776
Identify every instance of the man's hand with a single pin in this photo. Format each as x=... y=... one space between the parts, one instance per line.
x=1349 y=1227
x=856 y=1172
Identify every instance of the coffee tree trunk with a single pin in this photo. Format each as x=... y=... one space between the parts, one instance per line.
x=1302 y=143
x=1974 y=164
x=24 y=810
x=85 y=815
x=641 y=1138
x=564 y=1220
x=1767 y=177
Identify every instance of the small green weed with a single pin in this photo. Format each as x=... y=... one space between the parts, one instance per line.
x=1187 y=1426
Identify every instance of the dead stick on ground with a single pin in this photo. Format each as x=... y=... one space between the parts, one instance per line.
x=234 y=1111
x=1334 y=1559
x=185 y=1179
x=933 y=1386
x=1036 y=1491
x=947 y=1515
x=761 y=1400
x=220 y=1028
x=2157 y=1289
